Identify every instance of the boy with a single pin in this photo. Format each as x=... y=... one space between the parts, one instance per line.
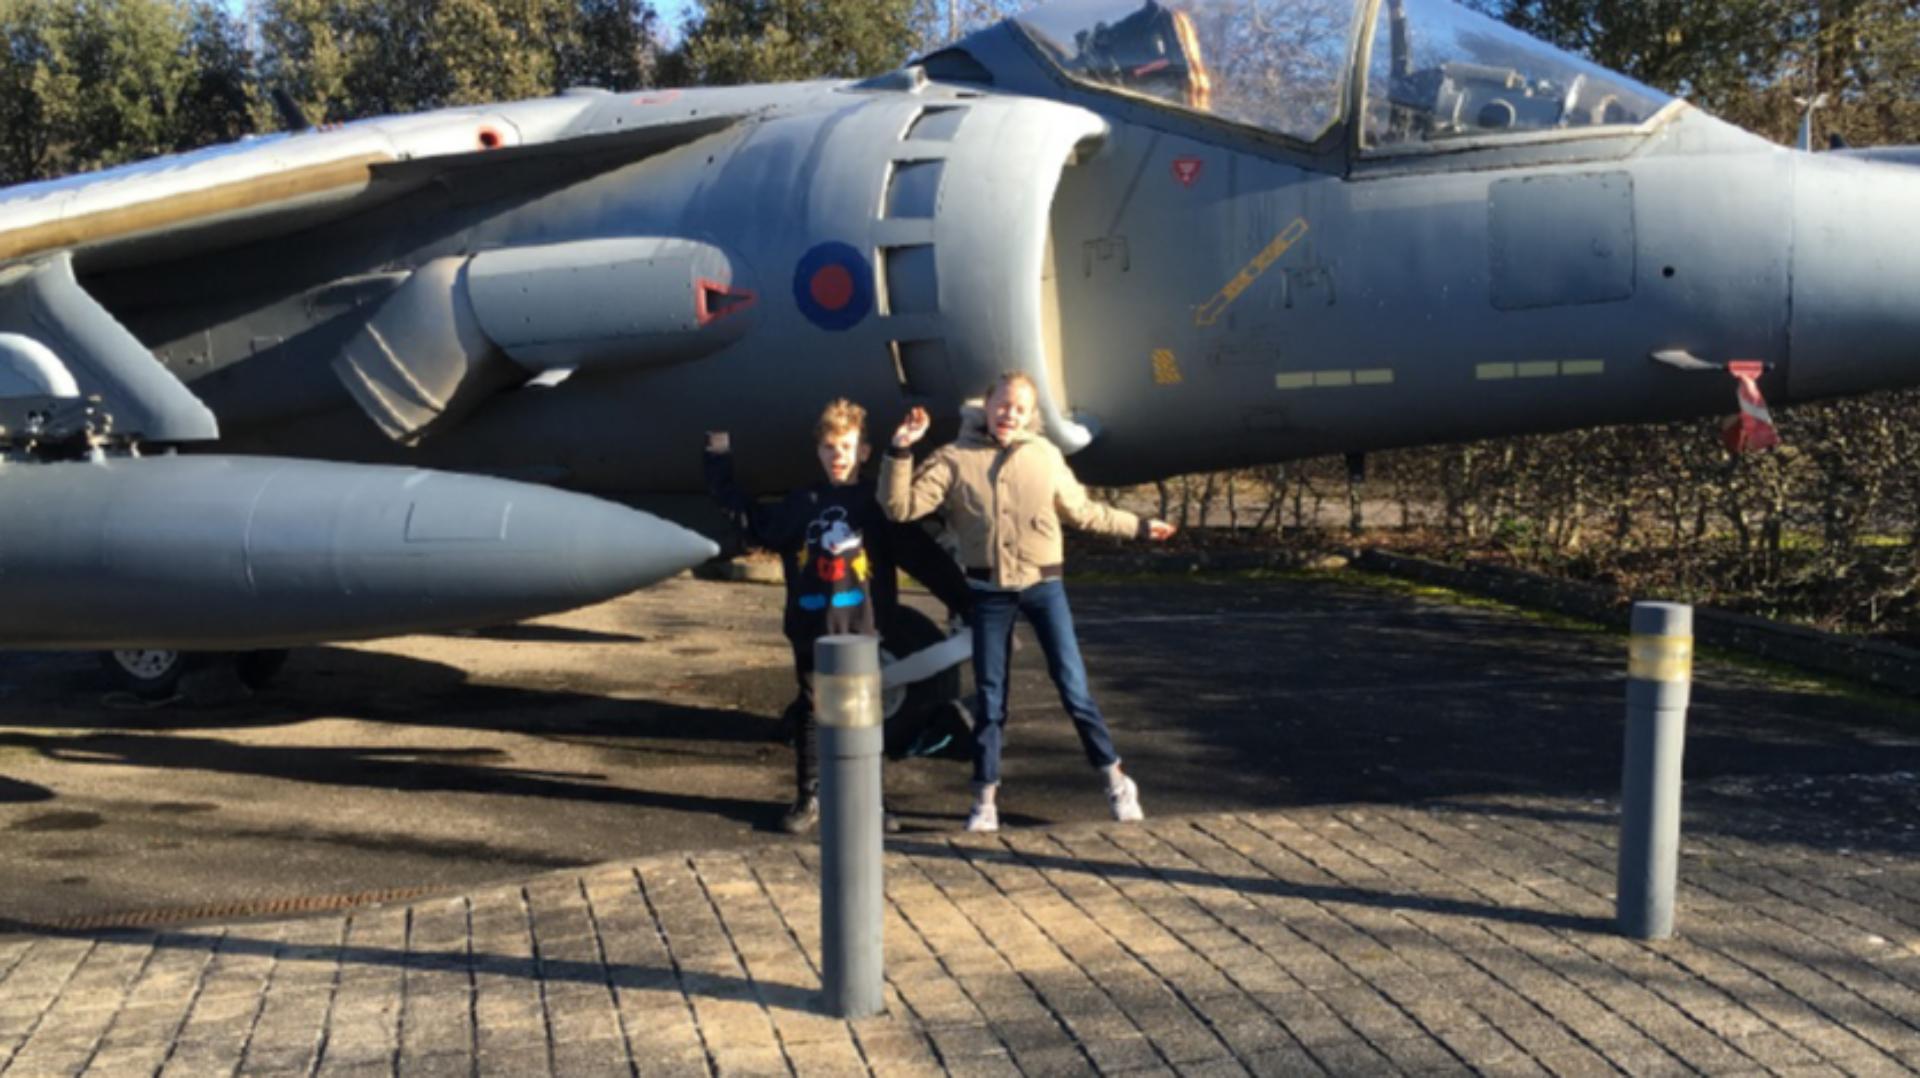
x=1006 y=490
x=838 y=553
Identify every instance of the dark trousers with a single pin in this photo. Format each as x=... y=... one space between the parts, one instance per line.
x=1045 y=607
x=799 y=718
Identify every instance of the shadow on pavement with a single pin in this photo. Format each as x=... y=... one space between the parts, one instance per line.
x=382 y=687
x=776 y=995
x=374 y=766
x=539 y=633
x=14 y=792
x=1235 y=695
x=1254 y=885
x=1225 y=696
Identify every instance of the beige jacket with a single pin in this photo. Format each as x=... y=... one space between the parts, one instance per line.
x=1004 y=504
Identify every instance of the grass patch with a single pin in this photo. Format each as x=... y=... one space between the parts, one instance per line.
x=1437 y=593
x=1209 y=577
x=1783 y=676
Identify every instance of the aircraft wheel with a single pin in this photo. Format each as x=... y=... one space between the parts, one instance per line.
x=909 y=709
x=155 y=673
x=257 y=669
x=149 y=673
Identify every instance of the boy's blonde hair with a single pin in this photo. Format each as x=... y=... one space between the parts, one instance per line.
x=838 y=417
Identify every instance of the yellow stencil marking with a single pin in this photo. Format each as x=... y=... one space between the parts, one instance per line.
x=1540 y=368
x=1166 y=369
x=1210 y=312
x=1375 y=376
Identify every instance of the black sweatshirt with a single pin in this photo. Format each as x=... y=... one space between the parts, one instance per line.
x=838 y=553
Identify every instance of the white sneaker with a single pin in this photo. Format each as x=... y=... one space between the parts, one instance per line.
x=984 y=818
x=1124 y=800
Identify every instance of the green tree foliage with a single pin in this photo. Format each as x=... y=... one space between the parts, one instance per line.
x=91 y=83
x=1754 y=61
x=1864 y=55
x=612 y=44
x=345 y=59
x=739 y=41
x=1705 y=50
x=221 y=102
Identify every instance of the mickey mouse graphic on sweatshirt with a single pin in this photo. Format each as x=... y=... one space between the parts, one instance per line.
x=838 y=554
x=836 y=577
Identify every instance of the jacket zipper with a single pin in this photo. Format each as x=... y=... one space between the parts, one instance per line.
x=998 y=469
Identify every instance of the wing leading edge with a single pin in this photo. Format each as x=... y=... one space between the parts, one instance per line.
x=276 y=185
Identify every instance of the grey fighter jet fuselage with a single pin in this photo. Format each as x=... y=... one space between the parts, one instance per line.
x=1215 y=233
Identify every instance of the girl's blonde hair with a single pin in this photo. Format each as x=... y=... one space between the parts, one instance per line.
x=1010 y=379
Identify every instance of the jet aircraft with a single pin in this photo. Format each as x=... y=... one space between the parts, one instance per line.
x=387 y=375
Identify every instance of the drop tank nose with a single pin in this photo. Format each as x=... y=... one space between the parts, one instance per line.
x=1855 y=322
x=209 y=553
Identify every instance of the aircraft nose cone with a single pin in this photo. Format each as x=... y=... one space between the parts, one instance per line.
x=1856 y=277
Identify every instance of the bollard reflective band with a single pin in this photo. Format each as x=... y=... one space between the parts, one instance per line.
x=1660 y=658
x=847 y=700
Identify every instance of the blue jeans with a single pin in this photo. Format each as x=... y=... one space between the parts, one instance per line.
x=1045 y=605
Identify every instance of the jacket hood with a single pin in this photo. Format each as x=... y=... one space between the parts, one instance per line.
x=973 y=424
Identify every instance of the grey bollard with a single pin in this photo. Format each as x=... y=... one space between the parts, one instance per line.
x=846 y=699
x=1659 y=675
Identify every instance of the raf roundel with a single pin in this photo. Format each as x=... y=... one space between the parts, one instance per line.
x=833 y=286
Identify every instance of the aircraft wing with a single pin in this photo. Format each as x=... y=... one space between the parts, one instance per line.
x=101 y=547
x=260 y=188
x=278 y=184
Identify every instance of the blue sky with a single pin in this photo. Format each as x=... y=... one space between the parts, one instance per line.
x=673 y=12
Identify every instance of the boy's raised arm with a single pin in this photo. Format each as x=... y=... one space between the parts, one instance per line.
x=718 y=461
x=760 y=524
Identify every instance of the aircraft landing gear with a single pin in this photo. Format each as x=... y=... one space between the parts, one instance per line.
x=257 y=669
x=149 y=673
x=155 y=673
x=913 y=707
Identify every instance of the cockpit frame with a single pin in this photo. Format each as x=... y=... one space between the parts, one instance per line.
x=1343 y=146
x=1326 y=152
x=1509 y=144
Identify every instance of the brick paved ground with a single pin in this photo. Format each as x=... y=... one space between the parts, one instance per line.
x=1467 y=934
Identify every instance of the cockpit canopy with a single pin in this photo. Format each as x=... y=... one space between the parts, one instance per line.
x=1437 y=73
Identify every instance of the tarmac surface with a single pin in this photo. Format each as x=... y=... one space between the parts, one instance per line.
x=1381 y=840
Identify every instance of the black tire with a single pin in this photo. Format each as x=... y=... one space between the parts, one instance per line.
x=149 y=673
x=906 y=632
x=257 y=669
